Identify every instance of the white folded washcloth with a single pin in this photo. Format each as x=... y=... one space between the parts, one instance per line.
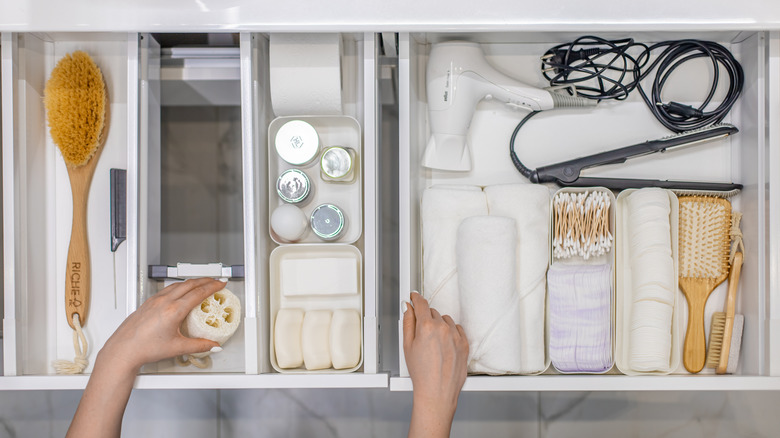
x=529 y=206
x=443 y=209
x=490 y=305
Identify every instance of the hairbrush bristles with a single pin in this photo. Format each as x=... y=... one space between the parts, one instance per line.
x=704 y=237
x=75 y=99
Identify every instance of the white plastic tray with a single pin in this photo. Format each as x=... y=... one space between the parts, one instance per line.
x=608 y=258
x=313 y=302
x=333 y=131
x=623 y=304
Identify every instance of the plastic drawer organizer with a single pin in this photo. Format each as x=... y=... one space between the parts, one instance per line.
x=37 y=211
x=750 y=157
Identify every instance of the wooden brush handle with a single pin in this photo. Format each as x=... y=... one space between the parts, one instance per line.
x=78 y=272
x=731 y=306
x=694 y=350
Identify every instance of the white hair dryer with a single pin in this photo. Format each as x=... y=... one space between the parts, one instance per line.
x=458 y=77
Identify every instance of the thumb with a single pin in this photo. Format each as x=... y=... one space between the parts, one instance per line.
x=194 y=345
x=410 y=321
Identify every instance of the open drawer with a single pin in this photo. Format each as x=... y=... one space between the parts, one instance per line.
x=156 y=108
x=749 y=158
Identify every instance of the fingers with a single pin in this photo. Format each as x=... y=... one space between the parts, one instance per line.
x=180 y=289
x=184 y=345
x=450 y=322
x=421 y=309
x=410 y=322
x=435 y=314
x=197 y=294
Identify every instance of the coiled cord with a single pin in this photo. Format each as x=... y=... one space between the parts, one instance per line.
x=606 y=69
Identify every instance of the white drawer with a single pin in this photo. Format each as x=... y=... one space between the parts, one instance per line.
x=36 y=196
x=751 y=158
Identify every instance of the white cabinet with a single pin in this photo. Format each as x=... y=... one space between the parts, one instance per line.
x=750 y=157
x=37 y=212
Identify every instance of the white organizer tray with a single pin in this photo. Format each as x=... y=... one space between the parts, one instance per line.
x=311 y=302
x=608 y=258
x=623 y=291
x=333 y=131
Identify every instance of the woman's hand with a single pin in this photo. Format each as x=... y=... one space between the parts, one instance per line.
x=153 y=332
x=436 y=351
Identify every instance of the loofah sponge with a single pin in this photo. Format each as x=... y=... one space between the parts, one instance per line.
x=216 y=319
x=75 y=98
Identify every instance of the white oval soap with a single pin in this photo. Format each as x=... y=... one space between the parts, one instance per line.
x=287 y=338
x=315 y=339
x=216 y=318
x=289 y=222
x=345 y=339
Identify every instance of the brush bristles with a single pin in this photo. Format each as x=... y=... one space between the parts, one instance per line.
x=75 y=99
x=704 y=237
x=715 y=347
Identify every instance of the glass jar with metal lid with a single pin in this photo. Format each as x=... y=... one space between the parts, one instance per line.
x=293 y=186
x=328 y=222
x=337 y=164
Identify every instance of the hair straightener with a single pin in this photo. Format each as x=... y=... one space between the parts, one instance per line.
x=567 y=173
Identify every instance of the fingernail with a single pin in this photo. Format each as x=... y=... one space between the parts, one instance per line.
x=404 y=306
x=216 y=349
x=223 y=279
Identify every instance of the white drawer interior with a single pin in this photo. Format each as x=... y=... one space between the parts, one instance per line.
x=563 y=134
x=154 y=112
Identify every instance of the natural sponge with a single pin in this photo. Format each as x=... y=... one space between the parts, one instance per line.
x=216 y=319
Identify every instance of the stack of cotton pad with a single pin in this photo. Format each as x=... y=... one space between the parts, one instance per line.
x=653 y=281
x=580 y=310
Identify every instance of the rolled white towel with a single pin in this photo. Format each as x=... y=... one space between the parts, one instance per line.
x=490 y=305
x=443 y=209
x=529 y=206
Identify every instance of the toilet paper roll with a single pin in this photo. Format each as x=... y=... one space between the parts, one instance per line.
x=305 y=74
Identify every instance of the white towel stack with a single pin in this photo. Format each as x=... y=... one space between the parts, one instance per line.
x=653 y=282
x=443 y=210
x=490 y=305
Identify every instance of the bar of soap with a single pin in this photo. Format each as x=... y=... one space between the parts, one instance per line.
x=319 y=276
x=345 y=339
x=315 y=339
x=287 y=338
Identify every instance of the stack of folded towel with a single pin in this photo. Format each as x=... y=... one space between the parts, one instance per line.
x=488 y=278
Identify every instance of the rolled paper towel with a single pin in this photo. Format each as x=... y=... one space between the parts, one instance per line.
x=490 y=312
x=443 y=209
x=305 y=72
x=529 y=206
x=580 y=303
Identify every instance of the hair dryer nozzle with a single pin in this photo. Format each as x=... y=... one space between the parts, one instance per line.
x=447 y=152
x=561 y=100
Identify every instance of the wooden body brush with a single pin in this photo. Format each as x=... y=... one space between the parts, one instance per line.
x=704 y=264
x=77 y=112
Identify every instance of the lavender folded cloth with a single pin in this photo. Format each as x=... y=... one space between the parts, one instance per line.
x=580 y=309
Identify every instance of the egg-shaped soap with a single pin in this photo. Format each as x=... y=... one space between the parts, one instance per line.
x=289 y=222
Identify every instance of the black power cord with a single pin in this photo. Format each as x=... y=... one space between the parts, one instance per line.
x=606 y=69
x=603 y=69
